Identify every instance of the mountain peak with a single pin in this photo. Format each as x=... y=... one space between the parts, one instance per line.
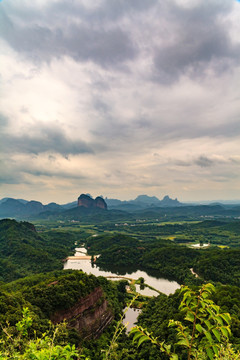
x=147 y=199
x=167 y=201
x=88 y=202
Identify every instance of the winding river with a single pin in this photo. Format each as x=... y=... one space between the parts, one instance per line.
x=165 y=286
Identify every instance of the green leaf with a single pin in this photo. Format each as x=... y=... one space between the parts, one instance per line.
x=189 y=317
x=167 y=348
x=208 y=336
x=210 y=311
x=209 y=353
x=224 y=331
x=226 y=317
x=215 y=349
x=209 y=288
x=199 y=328
x=172 y=323
x=134 y=329
x=174 y=357
x=219 y=319
x=137 y=335
x=215 y=308
x=217 y=334
x=205 y=295
x=187 y=294
x=184 y=288
x=183 y=342
x=228 y=329
x=207 y=322
x=142 y=339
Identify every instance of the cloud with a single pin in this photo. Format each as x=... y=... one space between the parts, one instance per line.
x=79 y=40
x=44 y=139
x=192 y=40
x=3 y=121
x=52 y=173
x=199 y=44
x=28 y=168
x=204 y=161
x=92 y=89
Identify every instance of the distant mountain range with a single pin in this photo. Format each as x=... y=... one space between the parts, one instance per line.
x=142 y=206
x=142 y=202
x=21 y=208
x=10 y=207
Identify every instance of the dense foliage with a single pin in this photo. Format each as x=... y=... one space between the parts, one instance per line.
x=16 y=343
x=203 y=333
x=163 y=257
x=46 y=294
x=169 y=259
x=220 y=266
x=23 y=251
x=161 y=249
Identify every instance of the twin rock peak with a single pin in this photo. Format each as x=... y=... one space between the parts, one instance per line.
x=88 y=202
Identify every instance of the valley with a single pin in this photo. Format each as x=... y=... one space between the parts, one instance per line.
x=124 y=257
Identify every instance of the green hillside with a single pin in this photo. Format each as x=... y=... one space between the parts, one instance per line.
x=23 y=251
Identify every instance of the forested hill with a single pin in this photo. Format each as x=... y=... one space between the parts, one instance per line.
x=23 y=251
x=86 y=302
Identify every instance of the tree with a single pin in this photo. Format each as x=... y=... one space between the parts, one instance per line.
x=205 y=332
x=18 y=346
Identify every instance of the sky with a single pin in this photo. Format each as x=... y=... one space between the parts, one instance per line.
x=119 y=98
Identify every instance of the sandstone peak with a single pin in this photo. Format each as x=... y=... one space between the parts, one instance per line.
x=88 y=202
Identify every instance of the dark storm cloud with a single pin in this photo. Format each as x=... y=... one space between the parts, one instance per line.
x=82 y=42
x=191 y=39
x=201 y=42
x=195 y=126
x=69 y=11
x=44 y=140
x=115 y=10
x=138 y=134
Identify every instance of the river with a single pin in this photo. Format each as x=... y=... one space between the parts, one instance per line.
x=165 y=286
x=130 y=317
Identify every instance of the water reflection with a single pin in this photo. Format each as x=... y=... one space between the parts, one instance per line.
x=146 y=291
x=152 y=279
x=165 y=286
x=130 y=318
x=80 y=251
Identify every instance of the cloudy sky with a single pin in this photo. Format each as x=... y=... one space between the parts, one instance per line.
x=120 y=98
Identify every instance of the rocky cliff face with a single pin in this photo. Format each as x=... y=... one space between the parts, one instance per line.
x=87 y=202
x=100 y=202
x=90 y=315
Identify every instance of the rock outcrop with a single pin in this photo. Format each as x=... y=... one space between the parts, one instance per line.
x=100 y=203
x=89 y=316
x=88 y=202
x=167 y=201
